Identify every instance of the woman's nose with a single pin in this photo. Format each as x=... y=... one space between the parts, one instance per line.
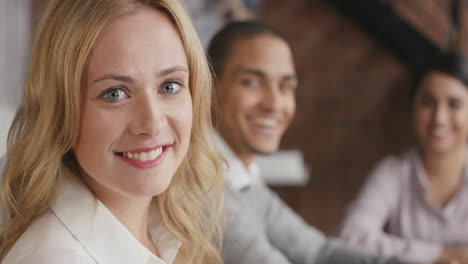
x=147 y=117
x=440 y=114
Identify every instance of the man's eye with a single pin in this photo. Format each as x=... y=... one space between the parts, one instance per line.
x=170 y=87
x=114 y=94
x=250 y=82
x=426 y=101
x=289 y=87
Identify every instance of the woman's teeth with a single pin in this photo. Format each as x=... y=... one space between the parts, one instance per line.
x=144 y=156
x=266 y=122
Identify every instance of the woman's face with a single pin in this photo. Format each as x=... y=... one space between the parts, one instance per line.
x=136 y=113
x=441 y=113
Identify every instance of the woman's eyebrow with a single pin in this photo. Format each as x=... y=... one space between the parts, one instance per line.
x=128 y=79
x=113 y=76
x=172 y=69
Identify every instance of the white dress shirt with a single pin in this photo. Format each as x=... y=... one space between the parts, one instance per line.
x=236 y=174
x=80 y=229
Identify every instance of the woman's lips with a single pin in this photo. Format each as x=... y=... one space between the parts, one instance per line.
x=150 y=158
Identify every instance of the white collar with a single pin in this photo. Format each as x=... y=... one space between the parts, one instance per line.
x=236 y=174
x=103 y=236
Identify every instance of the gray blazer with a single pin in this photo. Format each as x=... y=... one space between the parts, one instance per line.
x=262 y=229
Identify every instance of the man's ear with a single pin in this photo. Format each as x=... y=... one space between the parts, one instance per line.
x=215 y=101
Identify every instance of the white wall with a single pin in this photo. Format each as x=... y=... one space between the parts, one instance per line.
x=14 y=51
x=284 y=168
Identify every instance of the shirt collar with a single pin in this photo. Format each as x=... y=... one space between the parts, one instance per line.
x=421 y=180
x=103 y=236
x=235 y=173
x=421 y=177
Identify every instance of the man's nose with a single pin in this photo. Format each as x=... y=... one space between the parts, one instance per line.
x=271 y=99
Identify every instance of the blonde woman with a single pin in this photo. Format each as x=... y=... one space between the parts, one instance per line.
x=108 y=159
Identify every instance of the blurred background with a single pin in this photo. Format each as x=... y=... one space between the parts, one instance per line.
x=355 y=60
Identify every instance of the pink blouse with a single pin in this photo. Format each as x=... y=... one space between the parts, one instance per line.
x=394 y=215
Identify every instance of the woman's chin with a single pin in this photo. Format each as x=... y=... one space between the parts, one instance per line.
x=439 y=148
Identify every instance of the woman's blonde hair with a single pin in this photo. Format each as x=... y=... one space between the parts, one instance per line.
x=46 y=126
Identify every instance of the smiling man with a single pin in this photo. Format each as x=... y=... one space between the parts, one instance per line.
x=256 y=84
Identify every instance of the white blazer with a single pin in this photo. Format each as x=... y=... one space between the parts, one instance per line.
x=80 y=229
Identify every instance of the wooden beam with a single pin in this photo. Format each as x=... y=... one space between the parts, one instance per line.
x=383 y=22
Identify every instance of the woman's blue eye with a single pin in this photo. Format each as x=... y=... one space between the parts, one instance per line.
x=170 y=87
x=114 y=94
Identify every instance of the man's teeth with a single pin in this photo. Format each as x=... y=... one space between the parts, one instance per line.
x=439 y=132
x=144 y=156
x=266 y=122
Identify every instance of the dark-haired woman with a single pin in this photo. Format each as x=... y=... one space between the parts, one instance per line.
x=416 y=206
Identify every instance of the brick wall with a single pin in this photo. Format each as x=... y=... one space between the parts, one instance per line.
x=352 y=105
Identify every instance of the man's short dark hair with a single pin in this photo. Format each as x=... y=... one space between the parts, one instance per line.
x=221 y=44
